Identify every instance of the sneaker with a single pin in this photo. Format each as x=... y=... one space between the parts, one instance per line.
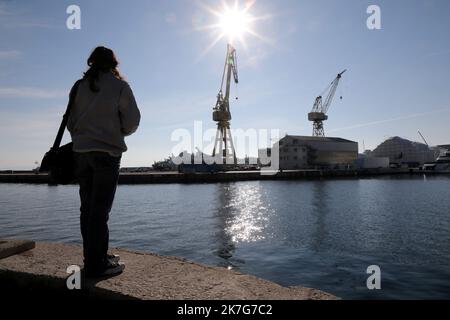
x=111 y=269
x=113 y=258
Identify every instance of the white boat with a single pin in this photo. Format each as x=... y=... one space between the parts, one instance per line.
x=442 y=163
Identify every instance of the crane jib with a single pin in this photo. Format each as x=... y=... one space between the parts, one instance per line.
x=320 y=108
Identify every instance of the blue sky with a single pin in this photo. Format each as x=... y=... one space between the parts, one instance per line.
x=397 y=80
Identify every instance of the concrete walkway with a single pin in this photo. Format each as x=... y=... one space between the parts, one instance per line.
x=146 y=276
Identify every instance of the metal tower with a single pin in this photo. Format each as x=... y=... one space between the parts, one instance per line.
x=221 y=112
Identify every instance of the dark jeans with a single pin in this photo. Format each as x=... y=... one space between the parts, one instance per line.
x=97 y=174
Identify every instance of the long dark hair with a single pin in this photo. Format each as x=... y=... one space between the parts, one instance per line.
x=101 y=60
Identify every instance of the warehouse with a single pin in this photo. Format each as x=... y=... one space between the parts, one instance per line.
x=300 y=152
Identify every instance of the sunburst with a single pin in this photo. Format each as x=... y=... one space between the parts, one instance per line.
x=234 y=23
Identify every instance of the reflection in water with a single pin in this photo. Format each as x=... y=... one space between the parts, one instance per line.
x=243 y=216
x=250 y=213
x=223 y=215
x=320 y=209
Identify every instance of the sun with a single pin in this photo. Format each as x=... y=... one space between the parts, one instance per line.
x=234 y=23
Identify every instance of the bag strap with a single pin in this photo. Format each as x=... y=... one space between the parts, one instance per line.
x=66 y=115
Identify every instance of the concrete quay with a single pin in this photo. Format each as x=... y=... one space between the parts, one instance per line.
x=147 y=276
x=175 y=177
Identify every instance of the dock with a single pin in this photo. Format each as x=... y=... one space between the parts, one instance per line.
x=230 y=176
x=42 y=268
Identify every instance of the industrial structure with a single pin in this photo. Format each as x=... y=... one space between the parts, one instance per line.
x=403 y=152
x=318 y=151
x=444 y=147
x=319 y=111
x=223 y=145
x=303 y=152
x=367 y=162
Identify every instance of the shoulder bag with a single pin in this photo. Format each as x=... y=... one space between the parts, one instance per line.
x=59 y=160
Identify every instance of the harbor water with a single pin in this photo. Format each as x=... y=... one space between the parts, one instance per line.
x=322 y=234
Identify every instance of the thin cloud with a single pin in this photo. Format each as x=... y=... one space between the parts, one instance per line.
x=373 y=123
x=41 y=122
x=13 y=18
x=30 y=92
x=438 y=53
x=31 y=24
x=9 y=54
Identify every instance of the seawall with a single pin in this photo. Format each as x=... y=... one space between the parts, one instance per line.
x=146 y=276
x=175 y=177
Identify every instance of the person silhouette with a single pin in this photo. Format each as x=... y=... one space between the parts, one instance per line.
x=104 y=111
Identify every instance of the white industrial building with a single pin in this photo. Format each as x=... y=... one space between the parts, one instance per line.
x=405 y=152
x=301 y=152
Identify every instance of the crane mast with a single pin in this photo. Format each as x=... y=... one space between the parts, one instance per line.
x=221 y=112
x=319 y=111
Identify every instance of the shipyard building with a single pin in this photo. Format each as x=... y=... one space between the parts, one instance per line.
x=403 y=152
x=303 y=152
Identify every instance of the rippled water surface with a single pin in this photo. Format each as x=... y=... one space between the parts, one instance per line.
x=321 y=234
